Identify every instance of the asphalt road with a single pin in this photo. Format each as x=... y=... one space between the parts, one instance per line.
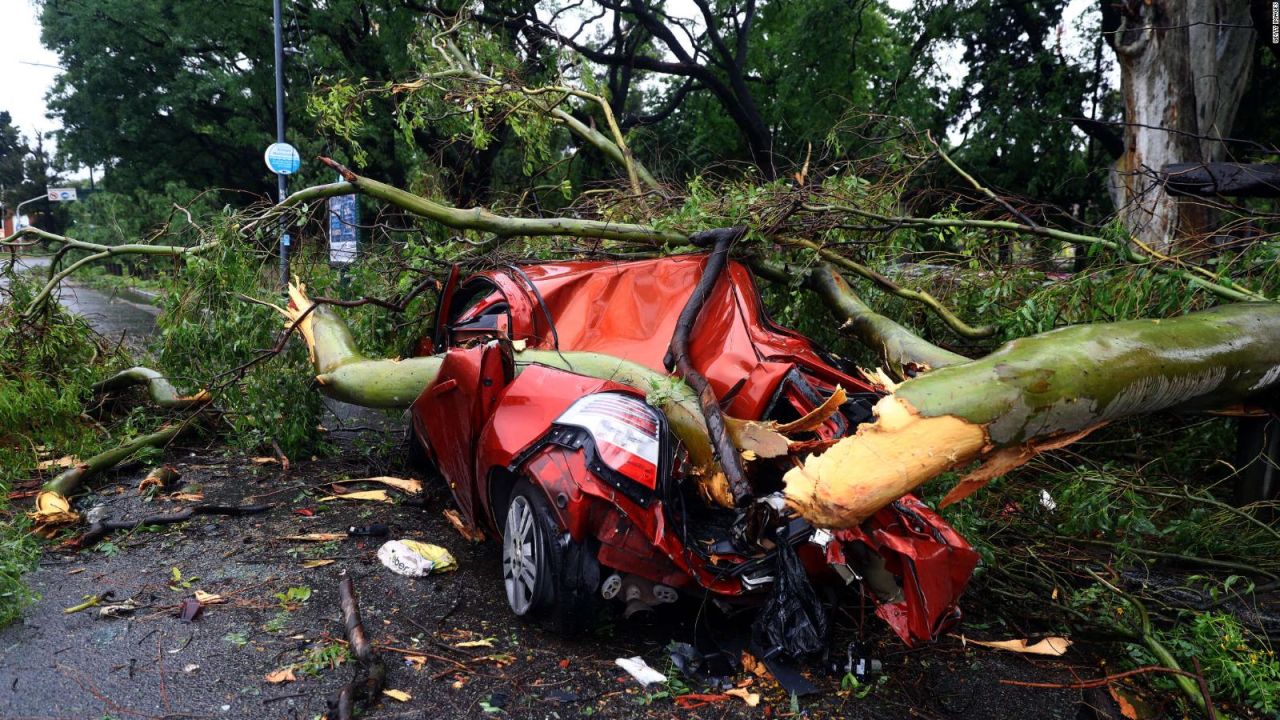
x=120 y=314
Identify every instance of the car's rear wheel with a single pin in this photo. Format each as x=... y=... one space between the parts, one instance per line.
x=546 y=575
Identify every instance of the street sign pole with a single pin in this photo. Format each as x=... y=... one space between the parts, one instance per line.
x=280 y=177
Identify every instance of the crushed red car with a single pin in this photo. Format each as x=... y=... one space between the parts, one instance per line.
x=587 y=488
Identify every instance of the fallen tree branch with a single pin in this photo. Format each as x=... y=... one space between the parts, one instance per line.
x=1036 y=394
x=1184 y=680
x=678 y=359
x=159 y=389
x=887 y=284
x=99 y=252
x=369 y=686
x=101 y=529
x=482 y=220
x=1221 y=286
x=903 y=352
x=69 y=481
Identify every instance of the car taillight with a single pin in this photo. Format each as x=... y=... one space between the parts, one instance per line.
x=625 y=430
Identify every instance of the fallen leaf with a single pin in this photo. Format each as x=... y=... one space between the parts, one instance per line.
x=691 y=701
x=185 y=497
x=755 y=667
x=76 y=571
x=370 y=495
x=498 y=659
x=412 y=487
x=400 y=695
x=817 y=416
x=305 y=512
x=283 y=675
x=309 y=564
x=1126 y=708
x=418 y=661
x=485 y=643
x=756 y=437
x=314 y=537
x=748 y=697
x=66 y=461
x=1055 y=646
x=189 y=609
x=208 y=598
x=263 y=460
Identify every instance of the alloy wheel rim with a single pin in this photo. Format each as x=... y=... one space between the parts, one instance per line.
x=520 y=556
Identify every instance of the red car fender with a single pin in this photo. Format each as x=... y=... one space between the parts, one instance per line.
x=932 y=560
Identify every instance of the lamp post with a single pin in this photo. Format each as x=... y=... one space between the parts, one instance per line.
x=17 y=212
x=282 y=182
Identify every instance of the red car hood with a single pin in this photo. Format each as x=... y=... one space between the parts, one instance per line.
x=629 y=310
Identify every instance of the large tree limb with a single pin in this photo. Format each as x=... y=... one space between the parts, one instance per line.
x=903 y=352
x=159 y=389
x=678 y=359
x=480 y=219
x=1037 y=393
x=1221 y=286
x=98 y=252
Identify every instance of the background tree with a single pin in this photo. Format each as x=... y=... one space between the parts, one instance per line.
x=1184 y=66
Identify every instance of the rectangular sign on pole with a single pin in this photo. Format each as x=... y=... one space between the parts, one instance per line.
x=344 y=230
x=62 y=194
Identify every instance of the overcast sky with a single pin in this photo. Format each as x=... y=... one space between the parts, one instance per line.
x=23 y=86
x=27 y=72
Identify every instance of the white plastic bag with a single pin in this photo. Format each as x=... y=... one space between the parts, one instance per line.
x=415 y=559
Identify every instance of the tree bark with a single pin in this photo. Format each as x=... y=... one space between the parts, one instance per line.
x=1034 y=394
x=1184 y=65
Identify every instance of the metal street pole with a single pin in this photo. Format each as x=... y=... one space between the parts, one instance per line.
x=280 y=178
x=17 y=212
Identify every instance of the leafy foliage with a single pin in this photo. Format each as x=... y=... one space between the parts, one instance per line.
x=46 y=370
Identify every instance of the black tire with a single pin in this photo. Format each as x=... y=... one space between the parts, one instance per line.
x=547 y=576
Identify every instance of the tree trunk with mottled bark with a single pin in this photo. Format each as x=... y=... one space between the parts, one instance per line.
x=1184 y=65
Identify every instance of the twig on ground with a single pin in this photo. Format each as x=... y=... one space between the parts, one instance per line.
x=368 y=683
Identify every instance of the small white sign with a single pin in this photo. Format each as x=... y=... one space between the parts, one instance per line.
x=62 y=194
x=282 y=158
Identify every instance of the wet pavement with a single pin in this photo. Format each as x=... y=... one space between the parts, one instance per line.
x=449 y=640
x=116 y=314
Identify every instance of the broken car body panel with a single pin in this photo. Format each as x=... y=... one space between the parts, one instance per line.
x=485 y=425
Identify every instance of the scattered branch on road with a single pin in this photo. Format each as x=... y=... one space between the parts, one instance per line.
x=101 y=529
x=69 y=481
x=372 y=675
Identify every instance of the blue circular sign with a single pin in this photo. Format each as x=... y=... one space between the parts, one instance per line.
x=282 y=158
